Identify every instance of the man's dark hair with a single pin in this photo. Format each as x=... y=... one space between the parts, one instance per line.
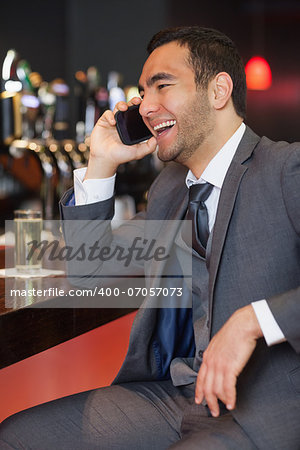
x=210 y=52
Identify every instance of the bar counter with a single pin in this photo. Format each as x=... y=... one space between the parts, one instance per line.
x=26 y=330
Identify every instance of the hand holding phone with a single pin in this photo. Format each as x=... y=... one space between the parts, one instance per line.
x=131 y=127
x=107 y=151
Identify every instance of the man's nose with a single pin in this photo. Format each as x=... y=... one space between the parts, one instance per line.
x=148 y=106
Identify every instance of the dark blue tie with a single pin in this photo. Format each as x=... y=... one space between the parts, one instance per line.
x=197 y=213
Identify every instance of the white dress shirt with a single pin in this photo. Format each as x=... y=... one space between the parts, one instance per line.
x=95 y=190
x=92 y=190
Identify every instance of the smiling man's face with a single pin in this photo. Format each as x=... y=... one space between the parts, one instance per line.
x=174 y=109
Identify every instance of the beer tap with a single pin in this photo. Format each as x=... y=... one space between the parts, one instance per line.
x=64 y=165
x=77 y=156
x=10 y=88
x=10 y=129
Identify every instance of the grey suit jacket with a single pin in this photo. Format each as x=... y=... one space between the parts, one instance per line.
x=255 y=254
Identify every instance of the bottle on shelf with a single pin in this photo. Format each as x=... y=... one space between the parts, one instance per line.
x=91 y=106
x=61 y=122
x=116 y=93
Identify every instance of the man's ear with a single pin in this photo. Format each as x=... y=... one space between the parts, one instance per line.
x=222 y=90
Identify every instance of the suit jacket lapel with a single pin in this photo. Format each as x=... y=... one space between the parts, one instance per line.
x=226 y=204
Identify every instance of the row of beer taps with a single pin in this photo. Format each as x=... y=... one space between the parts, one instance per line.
x=38 y=149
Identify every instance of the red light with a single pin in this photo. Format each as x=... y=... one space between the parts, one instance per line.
x=258 y=74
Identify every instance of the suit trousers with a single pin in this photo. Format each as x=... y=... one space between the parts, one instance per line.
x=138 y=415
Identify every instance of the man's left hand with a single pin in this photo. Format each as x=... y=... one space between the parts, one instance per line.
x=224 y=359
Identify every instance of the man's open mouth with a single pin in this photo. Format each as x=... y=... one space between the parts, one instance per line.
x=161 y=127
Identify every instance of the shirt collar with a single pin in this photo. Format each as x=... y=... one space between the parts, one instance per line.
x=216 y=170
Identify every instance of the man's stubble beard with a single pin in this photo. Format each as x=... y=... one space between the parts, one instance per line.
x=195 y=124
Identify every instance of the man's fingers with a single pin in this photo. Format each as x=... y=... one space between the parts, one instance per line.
x=225 y=357
x=199 y=394
x=134 y=101
x=218 y=385
x=209 y=393
x=120 y=106
x=123 y=106
x=223 y=388
x=215 y=382
x=107 y=117
x=229 y=387
x=144 y=148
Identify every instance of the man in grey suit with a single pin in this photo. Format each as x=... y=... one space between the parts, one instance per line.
x=234 y=382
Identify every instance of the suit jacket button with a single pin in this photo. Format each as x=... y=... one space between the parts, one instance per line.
x=200 y=353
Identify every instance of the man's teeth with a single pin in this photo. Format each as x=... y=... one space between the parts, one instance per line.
x=169 y=123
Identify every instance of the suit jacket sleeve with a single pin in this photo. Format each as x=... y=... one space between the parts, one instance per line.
x=85 y=224
x=89 y=226
x=286 y=306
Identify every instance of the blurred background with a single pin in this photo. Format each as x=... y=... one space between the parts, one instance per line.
x=64 y=62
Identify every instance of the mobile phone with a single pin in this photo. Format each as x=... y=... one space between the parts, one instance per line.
x=131 y=127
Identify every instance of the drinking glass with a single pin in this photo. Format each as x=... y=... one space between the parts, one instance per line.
x=28 y=228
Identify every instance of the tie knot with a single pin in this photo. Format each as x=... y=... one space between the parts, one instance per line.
x=200 y=192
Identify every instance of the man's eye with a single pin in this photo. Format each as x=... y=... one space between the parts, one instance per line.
x=161 y=86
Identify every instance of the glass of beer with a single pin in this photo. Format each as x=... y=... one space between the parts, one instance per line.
x=28 y=228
